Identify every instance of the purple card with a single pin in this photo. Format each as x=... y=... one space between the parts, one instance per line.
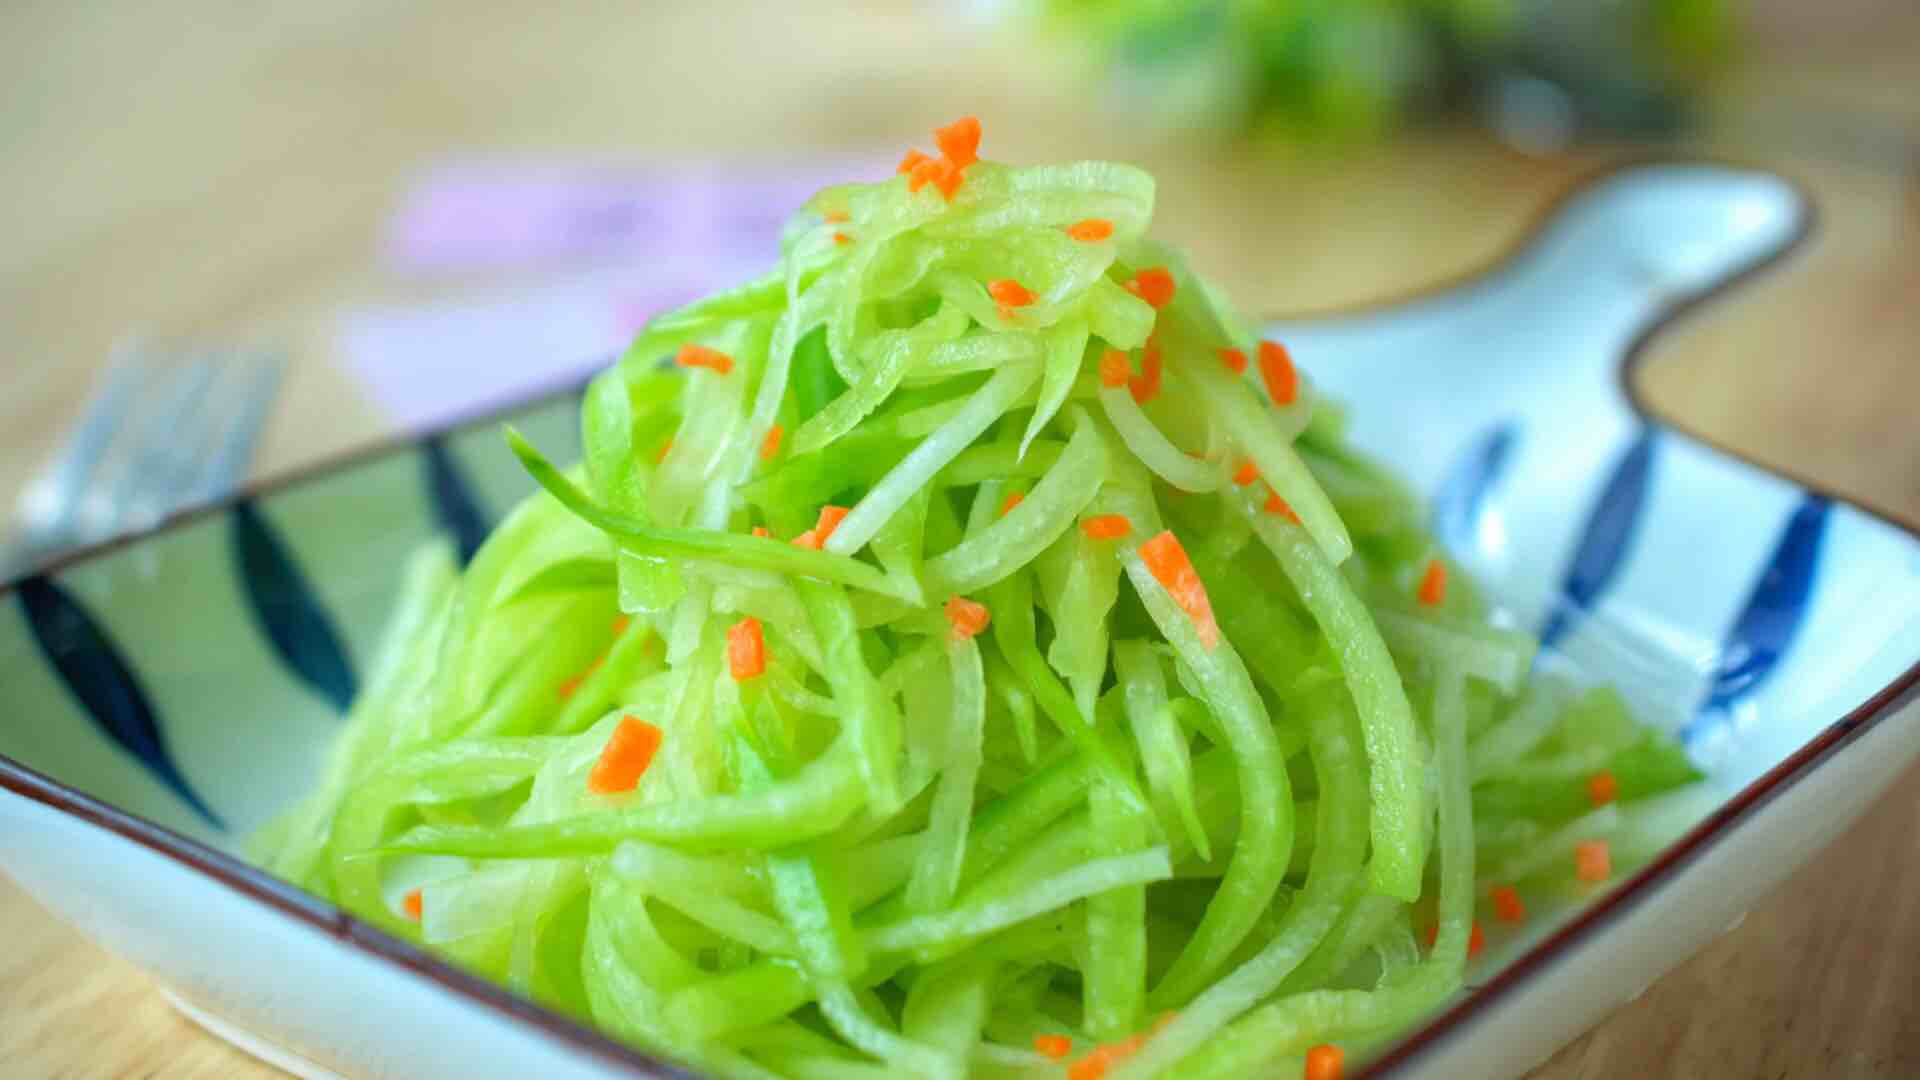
x=513 y=214
x=622 y=243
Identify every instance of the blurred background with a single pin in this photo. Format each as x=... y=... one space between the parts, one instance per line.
x=281 y=231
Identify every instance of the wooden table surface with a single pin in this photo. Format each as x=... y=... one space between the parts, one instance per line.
x=222 y=169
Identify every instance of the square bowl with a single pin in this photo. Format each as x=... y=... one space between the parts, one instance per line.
x=168 y=694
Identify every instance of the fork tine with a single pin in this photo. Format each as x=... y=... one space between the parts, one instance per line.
x=233 y=445
x=50 y=505
x=126 y=493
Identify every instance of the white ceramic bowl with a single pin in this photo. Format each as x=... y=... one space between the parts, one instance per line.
x=164 y=696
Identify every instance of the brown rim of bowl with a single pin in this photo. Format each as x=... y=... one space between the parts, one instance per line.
x=1406 y=1053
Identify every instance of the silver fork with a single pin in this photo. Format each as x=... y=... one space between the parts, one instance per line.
x=167 y=427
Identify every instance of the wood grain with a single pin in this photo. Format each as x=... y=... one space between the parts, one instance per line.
x=222 y=170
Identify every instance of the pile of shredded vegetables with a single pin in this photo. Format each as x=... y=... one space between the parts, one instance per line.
x=967 y=651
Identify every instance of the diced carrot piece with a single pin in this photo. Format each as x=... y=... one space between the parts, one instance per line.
x=1168 y=563
x=625 y=758
x=835 y=216
x=1106 y=527
x=959 y=142
x=1433 y=584
x=770 y=445
x=816 y=537
x=912 y=161
x=829 y=520
x=1247 y=473
x=665 y=449
x=842 y=238
x=966 y=617
x=761 y=532
x=939 y=172
x=414 y=904
x=1475 y=940
x=696 y=356
x=948 y=179
x=1146 y=385
x=1602 y=788
x=1506 y=904
x=1013 y=499
x=1114 y=368
x=746 y=650
x=1102 y=1058
x=1592 y=860
x=1276 y=368
x=1325 y=1062
x=1053 y=1046
x=1091 y=229
x=1235 y=360
x=1009 y=293
x=620 y=624
x=573 y=682
x=1154 y=285
x=1277 y=505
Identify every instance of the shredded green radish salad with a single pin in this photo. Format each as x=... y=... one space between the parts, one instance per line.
x=967 y=650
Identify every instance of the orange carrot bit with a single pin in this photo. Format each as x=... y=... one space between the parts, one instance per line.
x=835 y=216
x=1433 y=936
x=1009 y=293
x=959 y=142
x=1053 y=1046
x=1276 y=367
x=1235 y=360
x=1247 y=473
x=816 y=537
x=912 y=161
x=1475 y=940
x=746 y=650
x=1602 y=788
x=1091 y=229
x=761 y=532
x=701 y=356
x=1433 y=584
x=1102 y=1058
x=573 y=682
x=1012 y=500
x=842 y=239
x=770 y=445
x=1277 y=505
x=625 y=758
x=829 y=520
x=1154 y=285
x=1506 y=904
x=939 y=172
x=620 y=624
x=1325 y=1062
x=1106 y=527
x=1169 y=564
x=413 y=904
x=1114 y=368
x=1592 y=860
x=966 y=618
x=1146 y=385
x=665 y=449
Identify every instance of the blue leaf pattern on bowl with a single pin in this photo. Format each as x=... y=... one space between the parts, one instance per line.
x=454 y=504
x=1606 y=537
x=93 y=670
x=1772 y=615
x=1462 y=496
x=287 y=609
